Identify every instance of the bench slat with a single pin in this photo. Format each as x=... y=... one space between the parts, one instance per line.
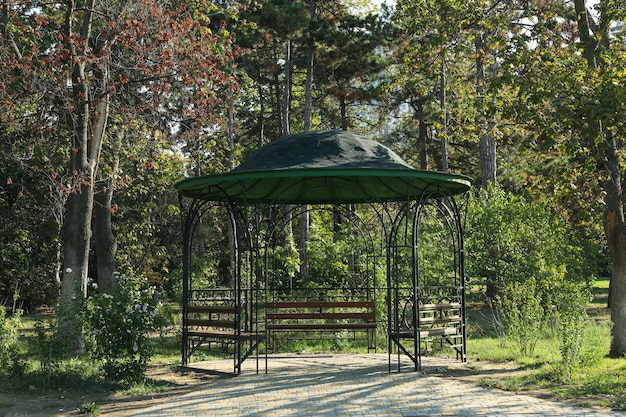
x=440 y=320
x=211 y=309
x=211 y=323
x=320 y=316
x=437 y=331
x=320 y=326
x=319 y=304
x=440 y=307
x=225 y=335
x=305 y=315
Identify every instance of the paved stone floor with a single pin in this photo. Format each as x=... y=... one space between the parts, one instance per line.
x=351 y=385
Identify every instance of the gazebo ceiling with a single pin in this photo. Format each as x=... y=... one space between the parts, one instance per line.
x=322 y=167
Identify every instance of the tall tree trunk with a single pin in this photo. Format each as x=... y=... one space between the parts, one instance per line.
x=261 y=118
x=287 y=239
x=608 y=161
x=105 y=243
x=443 y=163
x=287 y=88
x=76 y=238
x=305 y=219
x=615 y=230
x=487 y=144
x=88 y=133
x=423 y=141
x=308 y=84
x=230 y=114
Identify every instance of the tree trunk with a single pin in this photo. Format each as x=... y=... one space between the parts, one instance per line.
x=308 y=87
x=616 y=236
x=105 y=243
x=261 y=118
x=443 y=163
x=308 y=121
x=287 y=88
x=487 y=144
x=615 y=231
x=88 y=133
x=230 y=114
x=423 y=141
x=343 y=110
x=305 y=221
x=76 y=238
x=608 y=161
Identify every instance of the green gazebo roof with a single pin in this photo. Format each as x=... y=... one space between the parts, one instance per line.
x=322 y=167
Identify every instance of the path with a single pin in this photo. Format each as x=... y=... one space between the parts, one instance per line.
x=352 y=385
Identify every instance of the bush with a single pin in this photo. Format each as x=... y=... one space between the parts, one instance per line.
x=510 y=239
x=572 y=313
x=118 y=327
x=527 y=257
x=522 y=315
x=11 y=362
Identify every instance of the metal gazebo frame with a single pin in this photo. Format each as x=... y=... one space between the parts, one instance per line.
x=333 y=168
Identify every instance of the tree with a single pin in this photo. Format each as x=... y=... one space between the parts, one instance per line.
x=444 y=44
x=608 y=140
x=570 y=73
x=104 y=63
x=435 y=53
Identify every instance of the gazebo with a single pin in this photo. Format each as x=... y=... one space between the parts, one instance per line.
x=400 y=229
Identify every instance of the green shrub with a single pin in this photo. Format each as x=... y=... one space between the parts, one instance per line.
x=572 y=304
x=11 y=361
x=119 y=325
x=522 y=315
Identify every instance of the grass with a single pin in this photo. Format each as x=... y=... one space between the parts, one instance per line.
x=598 y=381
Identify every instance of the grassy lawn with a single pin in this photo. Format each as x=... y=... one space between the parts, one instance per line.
x=598 y=381
x=75 y=383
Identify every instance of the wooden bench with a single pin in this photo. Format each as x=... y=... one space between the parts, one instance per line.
x=214 y=321
x=219 y=324
x=323 y=316
x=434 y=320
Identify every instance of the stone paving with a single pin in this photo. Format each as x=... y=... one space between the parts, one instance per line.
x=352 y=385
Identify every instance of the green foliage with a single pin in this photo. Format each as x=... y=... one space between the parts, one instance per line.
x=90 y=409
x=11 y=360
x=526 y=257
x=119 y=325
x=436 y=249
x=48 y=348
x=329 y=258
x=510 y=239
x=572 y=302
x=52 y=342
x=286 y=263
x=522 y=314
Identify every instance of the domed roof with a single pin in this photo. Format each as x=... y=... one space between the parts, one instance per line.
x=322 y=167
x=322 y=149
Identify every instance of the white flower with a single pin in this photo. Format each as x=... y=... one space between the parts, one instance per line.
x=94 y=286
x=68 y=271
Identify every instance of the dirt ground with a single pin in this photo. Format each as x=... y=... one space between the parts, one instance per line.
x=182 y=381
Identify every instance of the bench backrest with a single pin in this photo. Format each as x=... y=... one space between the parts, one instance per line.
x=211 y=316
x=321 y=310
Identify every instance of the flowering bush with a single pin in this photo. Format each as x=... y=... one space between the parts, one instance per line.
x=118 y=326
